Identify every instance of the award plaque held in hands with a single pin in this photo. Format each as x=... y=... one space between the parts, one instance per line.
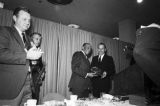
x=97 y=71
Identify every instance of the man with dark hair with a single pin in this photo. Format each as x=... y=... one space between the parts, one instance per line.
x=36 y=39
x=80 y=83
x=37 y=67
x=105 y=63
x=14 y=60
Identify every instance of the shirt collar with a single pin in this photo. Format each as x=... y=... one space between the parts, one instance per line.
x=19 y=31
x=101 y=56
x=84 y=54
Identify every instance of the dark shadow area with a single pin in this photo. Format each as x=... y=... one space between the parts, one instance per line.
x=129 y=81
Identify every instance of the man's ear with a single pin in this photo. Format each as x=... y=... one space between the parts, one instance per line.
x=82 y=48
x=14 y=18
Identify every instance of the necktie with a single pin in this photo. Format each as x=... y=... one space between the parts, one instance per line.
x=24 y=38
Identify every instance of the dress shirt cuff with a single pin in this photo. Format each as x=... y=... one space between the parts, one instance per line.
x=86 y=75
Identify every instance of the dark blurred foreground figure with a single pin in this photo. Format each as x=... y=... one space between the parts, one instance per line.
x=37 y=67
x=15 y=87
x=102 y=83
x=147 y=56
x=80 y=82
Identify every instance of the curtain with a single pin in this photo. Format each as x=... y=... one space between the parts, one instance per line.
x=49 y=31
x=124 y=55
x=70 y=40
x=5 y=17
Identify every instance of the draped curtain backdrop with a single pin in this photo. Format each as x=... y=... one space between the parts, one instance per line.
x=59 y=42
x=49 y=31
x=5 y=17
x=70 y=40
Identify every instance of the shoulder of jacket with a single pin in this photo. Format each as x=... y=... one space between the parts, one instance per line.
x=5 y=30
x=4 y=27
x=78 y=52
x=110 y=57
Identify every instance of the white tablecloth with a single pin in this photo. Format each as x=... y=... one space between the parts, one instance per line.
x=94 y=102
x=100 y=102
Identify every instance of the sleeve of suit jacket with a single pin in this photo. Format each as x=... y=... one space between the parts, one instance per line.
x=110 y=67
x=7 y=54
x=78 y=65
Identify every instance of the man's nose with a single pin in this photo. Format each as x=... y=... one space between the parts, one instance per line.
x=28 y=22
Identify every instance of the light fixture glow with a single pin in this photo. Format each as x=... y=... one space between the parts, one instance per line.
x=139 y=1
x=73 y=26
x=116 y=38
x=1 y=5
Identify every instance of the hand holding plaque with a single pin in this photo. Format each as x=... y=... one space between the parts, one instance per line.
x=97 y=71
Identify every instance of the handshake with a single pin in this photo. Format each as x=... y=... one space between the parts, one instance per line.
x=34 y=53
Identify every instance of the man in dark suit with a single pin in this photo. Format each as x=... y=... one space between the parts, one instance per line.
x=102 y=83
x=37 y=67
x=80 y=83
x=14 y=60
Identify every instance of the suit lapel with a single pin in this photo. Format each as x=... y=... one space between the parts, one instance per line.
x=85 y=57
x=27 y=44
x=17 y=37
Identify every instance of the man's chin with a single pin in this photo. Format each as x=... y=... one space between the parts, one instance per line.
x=26 y=28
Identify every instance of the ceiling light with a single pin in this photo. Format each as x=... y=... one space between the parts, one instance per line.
x=60 y=2
x=1 y=5
x=139 y=1
x=73 y=26
x=116 y=38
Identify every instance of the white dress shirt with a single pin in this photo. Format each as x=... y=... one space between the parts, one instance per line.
x=20 y=33
x=101 y=57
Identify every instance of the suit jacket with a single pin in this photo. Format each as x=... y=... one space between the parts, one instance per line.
x=147 y=52
x=80 y=68
x=106 y=64
x=37 y=72
x=13 y=63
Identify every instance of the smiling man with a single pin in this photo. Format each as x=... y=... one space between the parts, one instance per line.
x=14 y=60
x=102 y=83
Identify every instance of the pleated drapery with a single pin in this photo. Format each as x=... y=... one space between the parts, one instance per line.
x=49 y=31
x=5 y=17
x=70 y=40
